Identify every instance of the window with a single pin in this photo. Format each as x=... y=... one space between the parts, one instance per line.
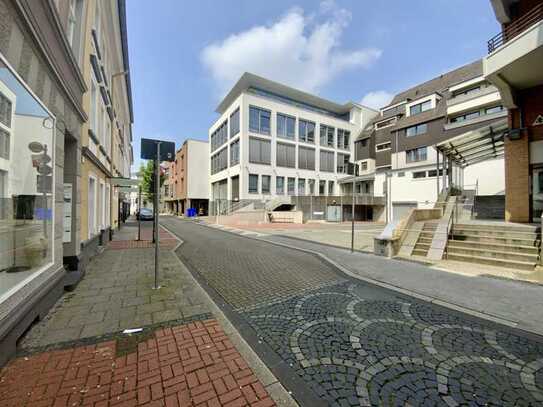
x=253 y=183
x=420 y=107
x=306 y=158
x=469 y=91
x=280 y=185
x=306 y=131
x=467 y=116
x=327 y=161
x=322 y=187
x=343 y=163
x=383 y=146
x=4 y=144
x=416 y=154
x=219 y=136
x=495 y=109
x=311 y=183
x=219 y=161
x=259 y=151
x=419 y=174
x=28 y=199
x=301 y=186
x=431 y=173
x=234 y=123
x=234 y=153
x=259 y=120
x=266 y=184
x=416 y=130
x=385 y=123
x=291 y=186
x=330 y=188
x=343 y=139
x=286 y=155
x=364 y=166
x=327 y=136
x=5 y=110
x=286 y=126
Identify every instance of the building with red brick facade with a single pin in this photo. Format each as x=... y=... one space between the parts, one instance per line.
x=515 y=66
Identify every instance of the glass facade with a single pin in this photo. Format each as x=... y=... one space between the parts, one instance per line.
x=27 y=184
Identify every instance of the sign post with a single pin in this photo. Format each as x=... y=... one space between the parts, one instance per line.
x=158 y=151
x=352 y=222
x=155 y=207
x=139 y=209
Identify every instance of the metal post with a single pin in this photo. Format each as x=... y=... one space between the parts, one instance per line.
x=444 y=171
x=352 y=221
x=139 y=212
x=157 y=192
x=437 y=175
x=44 y=199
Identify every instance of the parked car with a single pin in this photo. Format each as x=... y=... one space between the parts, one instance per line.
x=145 y=214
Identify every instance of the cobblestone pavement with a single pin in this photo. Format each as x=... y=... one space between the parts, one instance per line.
x=357 y=344
x=247 y=272
x=188 y=365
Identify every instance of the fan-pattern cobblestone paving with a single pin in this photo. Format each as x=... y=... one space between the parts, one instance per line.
x=357 y=344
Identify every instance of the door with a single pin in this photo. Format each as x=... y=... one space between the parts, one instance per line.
x=235 y=188
x=91 y=209
x=333 y=213
x=401 y=209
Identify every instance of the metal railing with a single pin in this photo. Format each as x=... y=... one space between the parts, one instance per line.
x=516 y=27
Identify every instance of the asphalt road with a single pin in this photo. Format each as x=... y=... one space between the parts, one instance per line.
x=350 y=343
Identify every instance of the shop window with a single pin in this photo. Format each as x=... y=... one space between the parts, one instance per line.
x=27 y=183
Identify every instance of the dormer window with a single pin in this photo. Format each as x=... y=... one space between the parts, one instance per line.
x=420 y=107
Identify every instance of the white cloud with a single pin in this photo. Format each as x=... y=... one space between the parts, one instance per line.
x=377 y=99
x=301 y=50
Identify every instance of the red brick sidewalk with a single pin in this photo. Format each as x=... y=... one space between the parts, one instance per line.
x=166 y=240
x=188 y=365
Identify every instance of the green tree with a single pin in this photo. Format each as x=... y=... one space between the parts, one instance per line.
x=147 y=171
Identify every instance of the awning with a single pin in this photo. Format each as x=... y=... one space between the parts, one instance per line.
x=474 y=146
x=347 y=180
x=124 y=182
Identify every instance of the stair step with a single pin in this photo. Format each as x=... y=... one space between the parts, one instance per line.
x=520 y=265
x=495 y=246
x=495 y=232
x=495 y=239
x=512 y=228
x=418 y=252
x=425 y=240
x=451 y=248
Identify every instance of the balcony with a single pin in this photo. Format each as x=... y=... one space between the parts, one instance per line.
x=516 y=28
x=515 y=55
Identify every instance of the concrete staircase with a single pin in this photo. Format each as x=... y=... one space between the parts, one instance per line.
x=514 y=247
x=425 y=239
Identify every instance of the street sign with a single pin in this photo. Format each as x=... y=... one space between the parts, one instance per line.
x=149 y=149
x=35 y=147
x=44 y=184
x=44 y=169
x=40 y=158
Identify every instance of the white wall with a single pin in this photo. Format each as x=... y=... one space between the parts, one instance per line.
x=197 y=169
x=490 y=174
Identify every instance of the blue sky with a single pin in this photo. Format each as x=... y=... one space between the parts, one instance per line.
x=184 y=55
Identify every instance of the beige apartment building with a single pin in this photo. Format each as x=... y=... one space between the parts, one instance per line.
x=106 y=137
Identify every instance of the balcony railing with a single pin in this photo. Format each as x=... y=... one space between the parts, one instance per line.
x=516 y=27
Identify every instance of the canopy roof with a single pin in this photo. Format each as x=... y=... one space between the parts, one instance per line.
x=484 y=143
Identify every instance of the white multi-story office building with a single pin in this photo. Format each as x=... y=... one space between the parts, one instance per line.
x=274 y=141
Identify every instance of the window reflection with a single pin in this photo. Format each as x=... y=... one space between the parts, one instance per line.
x=26 y=184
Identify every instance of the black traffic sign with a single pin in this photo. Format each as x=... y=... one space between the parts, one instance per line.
x=148 y=149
